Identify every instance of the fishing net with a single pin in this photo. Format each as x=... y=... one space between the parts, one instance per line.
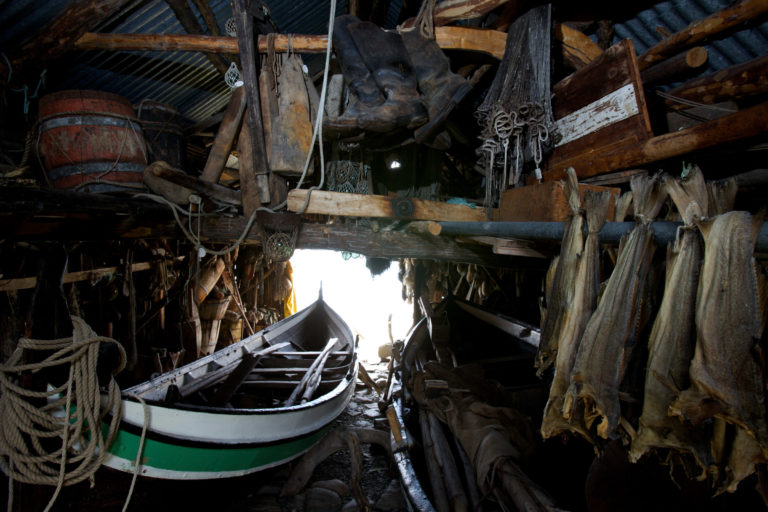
x=516 y=114
x=348 y=176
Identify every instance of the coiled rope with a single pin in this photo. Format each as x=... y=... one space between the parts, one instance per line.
x=72 y=412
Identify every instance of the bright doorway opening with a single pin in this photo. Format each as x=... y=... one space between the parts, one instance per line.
x=363 y=301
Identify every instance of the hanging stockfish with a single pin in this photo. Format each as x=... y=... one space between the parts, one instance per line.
x=583 y=286
x=612 y=332
x=722 y=196
x=726 y=375
x=517 y=111
x=745 y=452
x=560 y=296
x=672 y=339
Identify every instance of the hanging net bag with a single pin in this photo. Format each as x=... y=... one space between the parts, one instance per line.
x=516 y=114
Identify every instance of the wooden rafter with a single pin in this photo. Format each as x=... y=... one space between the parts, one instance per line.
x=719 y=22
x=60 y=35
x=491 y=42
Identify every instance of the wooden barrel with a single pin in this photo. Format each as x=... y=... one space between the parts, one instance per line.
x=162 y=131
x=91 y=141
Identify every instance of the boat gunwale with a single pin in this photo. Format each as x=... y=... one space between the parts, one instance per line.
x=165 y=380
x=416 y=496
x=349 y=377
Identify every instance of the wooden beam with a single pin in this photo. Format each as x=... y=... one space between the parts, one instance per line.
x=578 y=49
x=25 y=283
x=449 y=11
x=491 y=42
x=225 y=136
x=188 y=20
x=204 y=8
x=734 y=82
x=202 y=187
x=728 y=18
x=741 y=125
x=681 y=64
x=363 y=205
x=254 y=193
x=255 y=123
x=544 y=202
x=42 y=215
x=158 y=42
x=60 y=35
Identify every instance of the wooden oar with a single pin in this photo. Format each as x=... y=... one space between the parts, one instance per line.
x=312 y=378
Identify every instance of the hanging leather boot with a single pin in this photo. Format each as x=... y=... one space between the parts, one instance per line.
x=441 y=89
x=387 y=58
x=365 y=93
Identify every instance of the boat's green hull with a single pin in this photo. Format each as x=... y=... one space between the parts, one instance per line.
x=167 y=458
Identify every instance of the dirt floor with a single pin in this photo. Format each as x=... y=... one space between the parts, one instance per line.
x=327 y=491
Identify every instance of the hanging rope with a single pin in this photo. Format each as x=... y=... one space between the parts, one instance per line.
x=425 y=19
x=72 y=412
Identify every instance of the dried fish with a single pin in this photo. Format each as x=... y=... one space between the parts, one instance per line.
x=583 y=299
x=672 y=339
x=623 y=203
x=612 y=332
x=561 y=294
x=722 y=196
x=745 y=454
x=726 y=377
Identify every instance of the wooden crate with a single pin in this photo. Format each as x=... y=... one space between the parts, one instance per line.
x=544 y=202
x=599 y=107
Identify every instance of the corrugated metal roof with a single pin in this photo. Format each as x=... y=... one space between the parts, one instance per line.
x=186 y=80
x=675 y=15
x=190 y=83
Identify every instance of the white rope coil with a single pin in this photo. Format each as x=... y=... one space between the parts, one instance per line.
x=55 y=437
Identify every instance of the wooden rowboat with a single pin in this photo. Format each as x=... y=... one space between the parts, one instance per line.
x=250 y=406
x=471 y=336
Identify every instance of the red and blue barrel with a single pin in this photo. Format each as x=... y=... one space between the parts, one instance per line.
x=91 y=141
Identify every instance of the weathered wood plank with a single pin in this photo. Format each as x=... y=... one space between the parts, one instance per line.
x=24 y=283
x=225 y=136
x=250 y=73
x=578 y=49
x=728 y=18
x=543 y=202
x=363 y=205
x=738 y=126
x=204 y=188
x=449 y=11
x=34 y=215
x=615 y=70
x=610 y=109
x=491 y=42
